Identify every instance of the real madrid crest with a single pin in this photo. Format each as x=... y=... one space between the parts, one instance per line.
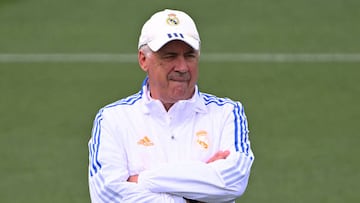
x=172 y=19
x=202 y=139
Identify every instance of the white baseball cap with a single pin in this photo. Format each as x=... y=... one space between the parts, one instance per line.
x=167 y=25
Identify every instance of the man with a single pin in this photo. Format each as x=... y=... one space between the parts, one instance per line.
x=169 y=142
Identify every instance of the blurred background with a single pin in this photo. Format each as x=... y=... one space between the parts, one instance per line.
x=295 y=65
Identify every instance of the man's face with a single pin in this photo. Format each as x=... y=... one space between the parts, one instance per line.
x=172 y=72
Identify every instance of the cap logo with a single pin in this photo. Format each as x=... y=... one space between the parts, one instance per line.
x=177 y=35
x=172 y=19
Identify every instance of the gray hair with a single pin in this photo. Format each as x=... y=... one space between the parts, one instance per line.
x=146 y=50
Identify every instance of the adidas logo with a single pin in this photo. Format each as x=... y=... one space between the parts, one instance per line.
x=145 y=141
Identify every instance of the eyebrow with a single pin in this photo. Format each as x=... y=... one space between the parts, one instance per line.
x=191 y=51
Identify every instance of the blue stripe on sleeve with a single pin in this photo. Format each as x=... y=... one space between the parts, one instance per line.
x=94 y=142
x=236 y=126
x=240 y=123
x=105 y=193
x=244 y=131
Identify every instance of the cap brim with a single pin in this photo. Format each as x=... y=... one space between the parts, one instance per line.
x=156 y=44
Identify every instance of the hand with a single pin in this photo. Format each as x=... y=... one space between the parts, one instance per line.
x=219 y=155
x=133 y=179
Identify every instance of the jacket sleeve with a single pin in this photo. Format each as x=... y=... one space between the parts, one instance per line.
x=108 y=171
x=220 y=181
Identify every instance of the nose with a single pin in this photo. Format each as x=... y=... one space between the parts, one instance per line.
x=181 y=65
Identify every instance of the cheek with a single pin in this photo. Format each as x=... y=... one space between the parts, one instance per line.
x=158 y=74
x=194 y=74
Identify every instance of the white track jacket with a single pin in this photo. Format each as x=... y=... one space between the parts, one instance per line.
x=169 y=150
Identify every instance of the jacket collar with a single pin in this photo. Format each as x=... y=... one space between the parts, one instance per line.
x=194 y=104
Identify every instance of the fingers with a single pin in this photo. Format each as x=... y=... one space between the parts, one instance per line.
x=133 y=179
x=219 y=155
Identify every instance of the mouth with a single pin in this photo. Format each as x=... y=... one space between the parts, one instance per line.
x=179 y=78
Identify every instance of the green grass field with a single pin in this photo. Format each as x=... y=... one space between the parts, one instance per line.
x=303 y=115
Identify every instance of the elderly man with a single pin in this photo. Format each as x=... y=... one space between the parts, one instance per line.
x=170 y=142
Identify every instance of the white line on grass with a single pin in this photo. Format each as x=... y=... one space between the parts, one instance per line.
x=205 y=57
x=67 y=58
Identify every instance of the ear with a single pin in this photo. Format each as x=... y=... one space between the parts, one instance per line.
x=142 y=60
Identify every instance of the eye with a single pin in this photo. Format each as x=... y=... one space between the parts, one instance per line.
x=191 y=55
x=169 y=56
